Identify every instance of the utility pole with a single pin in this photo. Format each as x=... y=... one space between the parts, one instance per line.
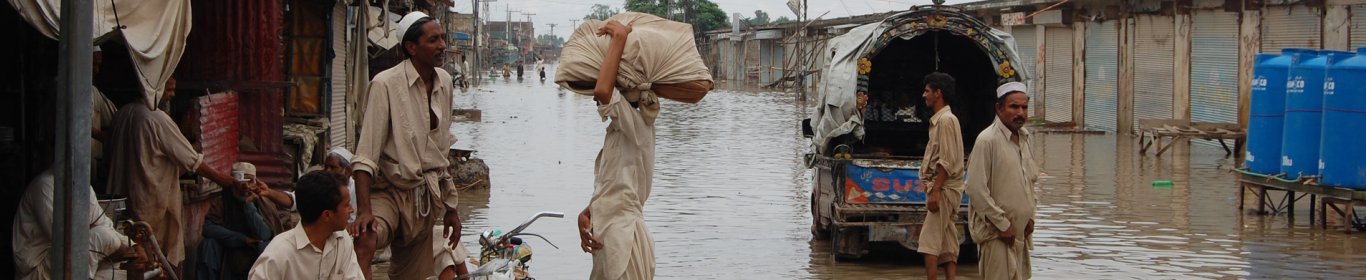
x=70 y=225
x=552 y=35
x=669 y=9
x=574 y=23
x=478 y=64
x=531 y=45
x=805 y=19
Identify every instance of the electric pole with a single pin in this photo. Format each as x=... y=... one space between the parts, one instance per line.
x=530 y=46
x=478 y=75
x=574 y=23
x=552 y=35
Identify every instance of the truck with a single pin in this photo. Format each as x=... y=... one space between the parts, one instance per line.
x=870 y=128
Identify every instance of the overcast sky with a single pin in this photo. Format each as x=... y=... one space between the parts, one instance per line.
x=561 y=11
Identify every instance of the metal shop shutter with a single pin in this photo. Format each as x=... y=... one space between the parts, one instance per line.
x=1358 y=26
x=1155 y=38
x=1291 y=27
x=1027 y=43
x=1102 y=58
x=1214 y=66
x=1058 y=75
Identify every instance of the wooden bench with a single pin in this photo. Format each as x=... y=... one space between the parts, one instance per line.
x=1156 y=130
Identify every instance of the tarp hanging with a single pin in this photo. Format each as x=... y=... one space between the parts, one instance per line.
x=660 y=56
x=837 y=113
x=154 y=30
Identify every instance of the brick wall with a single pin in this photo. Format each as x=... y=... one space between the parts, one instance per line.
x=216 y=128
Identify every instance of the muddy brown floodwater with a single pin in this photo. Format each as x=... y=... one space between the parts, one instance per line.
x=731 y=197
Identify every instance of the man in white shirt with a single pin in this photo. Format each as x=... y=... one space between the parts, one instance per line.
x=318 y=248
x=32 y=237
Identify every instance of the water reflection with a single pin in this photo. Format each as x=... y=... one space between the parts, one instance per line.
x=731 y=198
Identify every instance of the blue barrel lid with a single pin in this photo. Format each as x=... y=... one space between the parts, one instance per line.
x=1283 y=60
x=1334 y=56
x=1263 y=57
x=1324 y=58
x=1357 y=62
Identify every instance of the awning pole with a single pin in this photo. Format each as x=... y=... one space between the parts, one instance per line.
x=70 y=230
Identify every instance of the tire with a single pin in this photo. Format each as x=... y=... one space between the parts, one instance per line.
x=818 y=231
x=967 y=251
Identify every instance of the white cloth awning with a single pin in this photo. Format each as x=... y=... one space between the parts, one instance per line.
x=155 y=32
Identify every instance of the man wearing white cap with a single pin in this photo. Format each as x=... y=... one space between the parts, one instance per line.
x=235 y=230
x=1002 y=173
x=402 y=184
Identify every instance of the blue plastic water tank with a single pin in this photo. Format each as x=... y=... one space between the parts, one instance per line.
x=1304 y=113
x=1269 y=79
x=1342 y=156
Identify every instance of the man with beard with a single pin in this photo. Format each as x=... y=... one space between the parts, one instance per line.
x=1002 y=173
x=147 y=153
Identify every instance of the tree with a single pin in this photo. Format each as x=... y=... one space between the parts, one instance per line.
x=601 y=12
x=705 y=15
x=550 y=40
x=782 y=19
x=760 y=18
x=653 y=7
x=708 y=16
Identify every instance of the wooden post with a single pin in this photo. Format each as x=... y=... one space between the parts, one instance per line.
x=1250 y=38
x=1040 y=65
x=1181 y=98
x=1079 y=73
x=1336 y=28
x=1126 y=76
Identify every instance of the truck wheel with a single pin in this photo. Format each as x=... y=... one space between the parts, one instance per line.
x=967 y=250
x=818 y=231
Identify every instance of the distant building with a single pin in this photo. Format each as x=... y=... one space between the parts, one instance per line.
x=1101 y=64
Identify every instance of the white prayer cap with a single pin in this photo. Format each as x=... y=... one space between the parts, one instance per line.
x=1010 y=87
x=408 y=21
x=97 y=49
x=341 y=152
x=245 y=167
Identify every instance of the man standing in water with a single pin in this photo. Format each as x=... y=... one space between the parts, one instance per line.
x=403 y=187
x=612 y=227
x=1002 y=188
x=942 y=172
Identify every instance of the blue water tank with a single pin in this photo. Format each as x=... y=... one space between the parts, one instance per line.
x=1269 y=79
x=1304 y=113
x=1342 y=156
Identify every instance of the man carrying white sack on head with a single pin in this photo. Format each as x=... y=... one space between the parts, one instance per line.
x=639 y=58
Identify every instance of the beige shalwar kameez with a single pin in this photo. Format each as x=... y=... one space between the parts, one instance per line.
x=292 y=256
x=939 y=235
x=147 y=154
x=101 y=116
x=32 y=239
x=1001 y=185
x=407 y=159
x=623 y=174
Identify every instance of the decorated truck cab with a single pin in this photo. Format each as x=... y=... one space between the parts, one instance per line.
x=871 y=125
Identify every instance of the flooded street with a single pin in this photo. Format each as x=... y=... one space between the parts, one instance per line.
x=731 y=198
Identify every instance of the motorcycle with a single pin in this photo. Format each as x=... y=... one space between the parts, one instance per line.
x=504 y=256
